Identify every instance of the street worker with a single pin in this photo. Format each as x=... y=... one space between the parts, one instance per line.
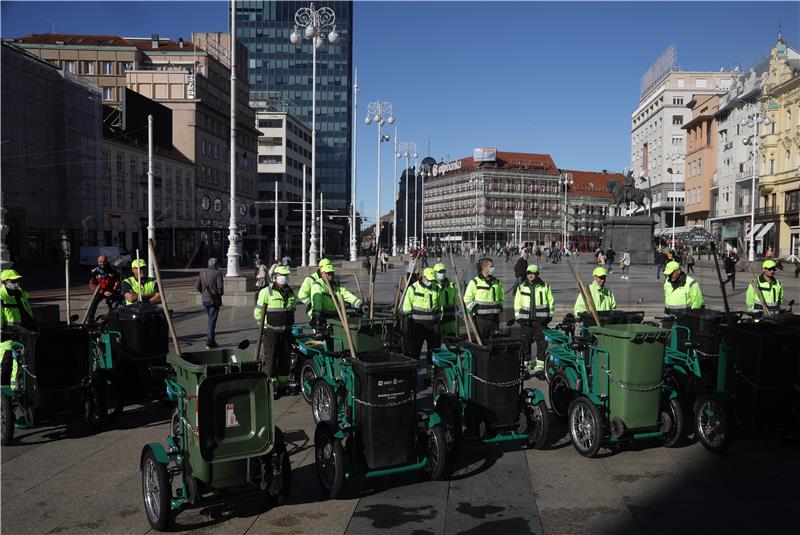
x=423 y=307
x=304 y=294
x=277 y=301
x=16 y=312
x=448 y=297
x=107 y=281
x=602 y=297
x=484 y=299
x=534 y=307
x=149 y=286
x=322 y=307
x=681 y=292
x=771 y=289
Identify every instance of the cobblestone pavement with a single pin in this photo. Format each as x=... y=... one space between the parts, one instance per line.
x=65 y=479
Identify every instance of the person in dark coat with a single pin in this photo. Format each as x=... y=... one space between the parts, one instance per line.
x=212 y=286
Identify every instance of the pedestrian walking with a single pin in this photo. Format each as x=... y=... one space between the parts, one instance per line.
x=275 y=264
x=610 y=257
x=661 y=262
x=261 y=274
x=520 y=269
x=211 y=286
x=384 y=260
x=690 y=261
x=729 y=265
x=626 y=264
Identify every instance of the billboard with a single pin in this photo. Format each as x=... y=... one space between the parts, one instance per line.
x=666 y=63
x=136 y=109
x=486 y=154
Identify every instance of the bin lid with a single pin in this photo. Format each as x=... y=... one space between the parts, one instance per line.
x=134 y=311
x=631 y=331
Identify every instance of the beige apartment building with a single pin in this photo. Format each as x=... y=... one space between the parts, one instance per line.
x=701 y=159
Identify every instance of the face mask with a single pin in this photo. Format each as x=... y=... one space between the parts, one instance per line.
x=491 y=270
x=12 y=285
x=281 y=280
x=426 y=283
x=440 y=277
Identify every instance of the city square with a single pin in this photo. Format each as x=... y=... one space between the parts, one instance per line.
x=471 y=324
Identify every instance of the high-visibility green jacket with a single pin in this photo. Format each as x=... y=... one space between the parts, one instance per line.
x=448 y=297
x=534 y=300
x=304 y=293
x=423 y=303
x=684 y=295
x=280 y=304
x=322 y=307
x=484 y=296
x=603 y=299
x=11 y=313
x=773 y=295
x=131 y=284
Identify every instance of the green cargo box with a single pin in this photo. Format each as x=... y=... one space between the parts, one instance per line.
x=632 y=378
x=368 y=334
x=230 y=407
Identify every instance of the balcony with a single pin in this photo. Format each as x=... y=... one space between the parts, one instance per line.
x=765 y=211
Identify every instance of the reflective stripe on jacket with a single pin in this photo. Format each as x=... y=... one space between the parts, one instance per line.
x=603 y=299
x=322 y=306
x=772 y=291
x=304 y=293
x=149 y=287
x=11 y=308
x=484 y=296
x=686 y=295
x=280 y=308
x=423 y=303
x=541 y=305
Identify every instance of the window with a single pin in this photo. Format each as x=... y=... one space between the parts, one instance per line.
x=107 y=67
x=70 y=66
x=788 y=161
x=125 y=66
x=772 y=166
x=87 y=67
x=680 y=82
x=108 y=93
x=700 y=83
x=677 y=101
x=677 y=119
x=772 y=127
x=677 y=140
x=270 y=159
x=788 y=120
x=270 y=123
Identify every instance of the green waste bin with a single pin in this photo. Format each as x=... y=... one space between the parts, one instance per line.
x=368 y=334
x=632 y=378
x=230 y=409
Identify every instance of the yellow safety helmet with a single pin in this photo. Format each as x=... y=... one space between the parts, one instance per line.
x=439 y=267
x=768 y=264
x=139 y=263
x=670 y=267
x=533 y=268
x=599 y=271
x=9 y=275
x=429 y=274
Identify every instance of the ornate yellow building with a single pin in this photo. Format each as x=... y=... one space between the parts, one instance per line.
x=779 y=180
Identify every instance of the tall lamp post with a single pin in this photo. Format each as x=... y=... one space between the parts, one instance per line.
x=677 y=158
x=380 y=113
x=233 y=227
x=423 y=172
x=565 y=179
x=754 y=119
x=394 y=195
x=407 y=149
x=314 y=23
x=353 y=243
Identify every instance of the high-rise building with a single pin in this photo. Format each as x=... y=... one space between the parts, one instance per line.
x=281 y=72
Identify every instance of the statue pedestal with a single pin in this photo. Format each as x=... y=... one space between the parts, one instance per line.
x=633 y=233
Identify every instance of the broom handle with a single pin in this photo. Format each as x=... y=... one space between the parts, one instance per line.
x=163 y=293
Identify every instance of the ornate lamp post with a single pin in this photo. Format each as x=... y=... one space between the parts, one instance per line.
x=380 y=113
x=754 y=119
x=565 y=179
x=423 y=171
x=407 y=149
x=314 y=24
x=353 y=243
x=677 y=158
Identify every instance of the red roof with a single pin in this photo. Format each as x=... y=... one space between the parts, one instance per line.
x=534 y=163
x=164 y=45
x=70 y=39
x=593 y=182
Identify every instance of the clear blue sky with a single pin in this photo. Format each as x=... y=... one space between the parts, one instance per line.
x=559 y=78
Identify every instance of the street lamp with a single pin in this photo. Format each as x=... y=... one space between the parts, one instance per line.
x=394 y=195
x=353 y=244
x=380 y=113
x=314 y=24
x=677 y=158
x=408 y=149
x=754 y=119
x=66 y=248
x=423 y=171
x=566 y=180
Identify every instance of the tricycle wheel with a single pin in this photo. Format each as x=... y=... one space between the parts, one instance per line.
x=8 y=420
x=280 y=484
x=714 y=423
x=538 y=425
x=437 y=453
x=308 y=374
x=585 y=426
x=157 y=492
x=561 y=394
x=323 y=402
x=447 y=409
x=329 y=457
x=440 y=384
x=95 y=408
x=672 y=423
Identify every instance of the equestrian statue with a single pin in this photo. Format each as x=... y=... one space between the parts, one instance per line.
x=628 y=193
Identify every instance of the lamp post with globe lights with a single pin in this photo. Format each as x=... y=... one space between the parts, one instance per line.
x=565 y=179
x=314 y=24
x=353 y=243
x=380 y=113
x=677 y=158
x=407 y=149
x=754 y=118
x=423 y=171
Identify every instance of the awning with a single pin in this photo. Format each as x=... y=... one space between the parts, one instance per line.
x=750 y=234
x=766 y=228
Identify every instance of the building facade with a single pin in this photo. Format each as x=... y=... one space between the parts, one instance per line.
x=778 y=213
x=281 y=72
x=51 y=157
x=658 y=140
x=701 y=159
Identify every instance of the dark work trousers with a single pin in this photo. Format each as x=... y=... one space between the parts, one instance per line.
x=7 y=360
x=487 y=325
x=213 y=314
x=419 y=333
x=534 y=332
x=276 y=351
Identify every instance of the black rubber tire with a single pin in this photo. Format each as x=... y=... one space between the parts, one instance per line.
x=436 y=466
x=560 y=394
x=95 y=410
x=281 y=495
x=440 y=384
x=583 y=412
x=538 y=425
x=8 y=420
x=447 y=409
x=673 y=411
x=714 y=423
x=321 y=411
x=161 y=518
x=307 y=369
x=329 y=460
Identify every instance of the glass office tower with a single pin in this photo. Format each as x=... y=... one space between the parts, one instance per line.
x=280 y=74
